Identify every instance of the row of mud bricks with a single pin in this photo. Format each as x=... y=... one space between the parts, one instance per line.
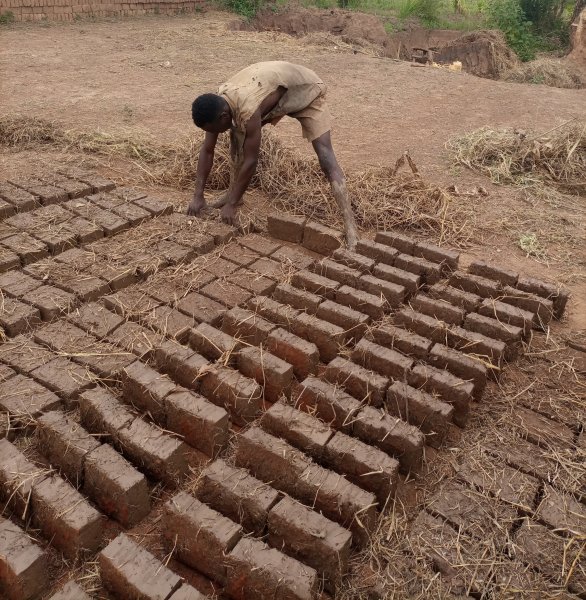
x=336 y=384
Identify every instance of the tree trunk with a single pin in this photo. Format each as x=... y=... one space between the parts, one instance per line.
x=580 y=5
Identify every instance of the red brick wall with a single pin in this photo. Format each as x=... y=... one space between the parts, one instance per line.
x=67 y=10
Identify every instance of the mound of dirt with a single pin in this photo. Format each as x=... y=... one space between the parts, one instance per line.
x=554 y=72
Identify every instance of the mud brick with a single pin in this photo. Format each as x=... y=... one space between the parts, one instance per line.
x=24 y=399
x=146 y=389
x=391 y=435
x=95 y=319
x=540 y=430
x=219 y=267
x=5 y=373
x=246 y=326
x=136 y=339
x=381 y=253
x=259 y=244
x=84 y=230
x=489 y=475
x=169 y=287
x=461 y=365
x=401 y=242
x=226 y=293
x=48 y=194
x=51 y=302
x=154 y=206
x=239 y=395
x=62 y=337
x=274 y=374
x=17 y=477
x=17 y=317
x=174 y=253
x=269 y=268
x=481 y=286
x=542 y=307
x=17 y=284
x=507 y=313
x=95 y=181
x=447 y=258
x=201 y=308
x=300 y=429
x=198 y=535
x=181 y=363
x=490 y=271
x=449 y=387
x=429 y=272
x=257 y=571
x=24 y=355
x=366 y=466
x=105 y=359
x=65 y=517
x=256 y=284
x=293 y=258
x=341 y=501
x=301 y=354
x=116 y=276
x=314 y=283
x=130 y=571
x=271 y=459
x=280 y=314
x=293 y=527
x=423 y=325
x=354 y=260
x=300 y=299
x=440 y=309
x=326 y=336
x=108 y=221
x=161 y=454
x=236 y=253
x=331 y=404
x=407 y=343
x=550 y=291
x=511 y=335
x=431 y=415
x=187 y=592
x=214 y=344
x=85 y=287
x=561 y=512
x=286 y=227
x=23 y=564
x=6 y=209
x=410 y=281
x=65 y=444
x=235 y=493
x=361 y=301
x=363 y=384
x=129 y=212
x=394 y=294
x=8 y=260
x=70 y=591
x=320 y=238
x=336 y=271
x=170 y=322
x=19 y=198
x=129 y=194
x=472 y=342
x=64 y=377
x=130 y=303
x=26 y=247
x=102 y=413
x=74 y=189
x=385 y=361
x=354 y=323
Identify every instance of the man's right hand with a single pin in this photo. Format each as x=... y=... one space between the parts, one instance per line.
x=196 y=205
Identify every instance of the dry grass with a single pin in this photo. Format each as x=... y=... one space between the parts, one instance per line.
x=382 y=197
x=552 y=72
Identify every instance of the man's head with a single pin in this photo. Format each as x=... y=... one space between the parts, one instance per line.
x=211 y=113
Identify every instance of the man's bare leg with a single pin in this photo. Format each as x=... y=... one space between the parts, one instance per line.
x=329 y=165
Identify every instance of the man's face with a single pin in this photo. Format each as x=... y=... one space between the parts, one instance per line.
x=220 y=125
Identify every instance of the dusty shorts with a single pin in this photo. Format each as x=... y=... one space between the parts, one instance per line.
x=315 y=118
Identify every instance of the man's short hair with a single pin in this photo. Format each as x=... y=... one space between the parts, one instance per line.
x=206 y=108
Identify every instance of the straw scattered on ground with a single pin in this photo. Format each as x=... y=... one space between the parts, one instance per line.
x=552 y=72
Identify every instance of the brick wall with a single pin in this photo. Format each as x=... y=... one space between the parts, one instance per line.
x=67 y=10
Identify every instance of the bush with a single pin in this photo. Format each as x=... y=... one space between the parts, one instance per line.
x=426 y=10
x=246 y=8
x=508 y=16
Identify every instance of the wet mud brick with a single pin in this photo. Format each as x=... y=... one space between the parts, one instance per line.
x=507 y=313
x=392 y=435
x=187 y=592
x=561 y=512
x=200 y=423
x=169 y=287
x=214 y=344
x=6 y=209
x=21 y=199
x=181 y=363
x=542 y=307
x=550 y=554
x=300 y=429
x=354 y=260
x=217 y=266
x=236 y=494
x=154 y=206
x=448 y=259
x=286 y=227
x=103 y=414
x=86 y=208
x=361 y=301
x=130 y=212
x=257 y=571
x=431 y=415
x=17 y=317
x=95 y=181
x=550 y=291
x=511 y=335
x=48 y=194
x=268 y=268
x=363 y=384
x=293 y=257
x=331 y=404
x=146 y=389
x=136 y=339
x=376 y=251
x=468 y=301
x=236 y=253
x=130 y=303
x=198 y=535
x=246 y=326
x=116 y=486
x=311 y=538
x=337 y=272
x=460 y=365
x=475 y=284
x=23 y=564
x=275 y=375
x=473 y=514
x=450 y=388
x=403 y=243
x=495 y=272
x=326 y=336
x=271 y=459
x=70 y=591
x=26 y=247
x=170 y=322
x=95 y=319
x=65 y=517
x=259 y=244
x=8 y=260
x=315 y=284
x=51 y=302
x=17 y=284
x=429 y=272
x=440 y=309
x=201 y=308
x=350 y=320
x=395 y=338
x=410 y=281
x=239 y=395
x=340 y=500
x=226 y=293
x=25 y=399
x=297 y=298
x=366 y=466
x=301 y=354
x=394 y=294
x=475 y=343
x=540 y=430
x=320 y=238
x=65 y=444
x=130 y=571
x=385 y=361
x=17 y=477
x=24 y=355
x=74 y=189
x=256 y=284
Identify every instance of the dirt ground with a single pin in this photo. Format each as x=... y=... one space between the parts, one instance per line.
x=141 y=75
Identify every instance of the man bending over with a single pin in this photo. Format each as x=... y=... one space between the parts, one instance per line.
x=259 y=94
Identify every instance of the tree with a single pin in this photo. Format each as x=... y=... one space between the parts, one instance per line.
x=578 y=8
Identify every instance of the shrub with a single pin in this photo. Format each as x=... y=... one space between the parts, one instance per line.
x=426 y=10
x=508 y=16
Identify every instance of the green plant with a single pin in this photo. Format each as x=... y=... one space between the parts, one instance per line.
x=426 y=10
x=6 y=17
x=246 y=8
x=508 y=16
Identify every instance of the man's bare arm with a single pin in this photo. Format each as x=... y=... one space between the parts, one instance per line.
x=204 y=166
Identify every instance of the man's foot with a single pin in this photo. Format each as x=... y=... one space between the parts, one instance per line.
x=195 y=207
